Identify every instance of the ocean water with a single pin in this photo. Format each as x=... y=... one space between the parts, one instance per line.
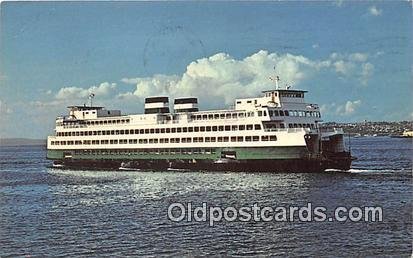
x=51 y=212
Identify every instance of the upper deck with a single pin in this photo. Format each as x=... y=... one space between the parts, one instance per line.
x=279 y=108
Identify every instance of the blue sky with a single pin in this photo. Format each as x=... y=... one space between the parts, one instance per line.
x=354 y=58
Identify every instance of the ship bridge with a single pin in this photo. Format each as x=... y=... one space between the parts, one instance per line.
x=271 y=98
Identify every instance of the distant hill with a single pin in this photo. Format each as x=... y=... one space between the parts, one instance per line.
x=21 y=142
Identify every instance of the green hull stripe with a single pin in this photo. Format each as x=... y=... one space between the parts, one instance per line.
x=246 y=153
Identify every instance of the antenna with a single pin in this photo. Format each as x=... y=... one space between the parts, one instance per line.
x=91 y=96
x=276 y=79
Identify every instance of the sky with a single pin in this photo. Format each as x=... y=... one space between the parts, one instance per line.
x=354 y=58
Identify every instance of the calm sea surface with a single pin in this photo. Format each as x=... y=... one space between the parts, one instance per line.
x=51 y=212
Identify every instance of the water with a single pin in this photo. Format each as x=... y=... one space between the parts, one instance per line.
x=50 y=212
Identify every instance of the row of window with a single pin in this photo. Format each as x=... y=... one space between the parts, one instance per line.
x=231 y=115
x=169 y=140
x=147 y=151
x=297 y=113
x=98 y=122
x=190 y=129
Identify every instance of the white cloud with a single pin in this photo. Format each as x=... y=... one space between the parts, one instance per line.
x=218 y=79
x=348 y=108
x=358 y=57
x=315 y=46
x=366 y=72
x=373 y=10
x=71 y=93
x=221 y=78
x=343 y=67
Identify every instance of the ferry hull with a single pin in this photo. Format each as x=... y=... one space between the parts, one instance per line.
x=295 y=159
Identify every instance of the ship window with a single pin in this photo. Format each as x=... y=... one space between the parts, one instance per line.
x=168 y=130
x=214 y=128
x=117 y=121
x=227 y=128
x=233 y=139
x=249 y=101
x=87 y=113
x=173 y=130
x=250 y=127
x=290 y=125
x=179 y=130
x=238 y=102
x=184 y=129
x=255 y=101
x=198 y=117
x=241 y=115
x=210 y=116
x=264 y=138
x=271 y=112
x=282 y=125
x=162 y=130
x=167 y=140
x=152 y=130
x=126 y=131
x=207 y=139
x=241 y=127
x=240 y=138
x=190 y=129
x=221 y=128
x=213 y=139
x=273 y=138
x=222 y=116
x=136 y=131
x=141 y=131
x=150 y=140
x=188 y=140
x=196 y=129
x=157 y=130
x=202 y=128
x=204 y=117
x=276 y=113
x=195 y=139
x=248 y=138
x=228 y=115
x=234 y=115
x=146 y=131
x=255 y=138
x=281 y=113
x=219 y=139
x=300 y=125
x=259 y=113
x=226 y=139
x=208 y=128
x=257 y=127
x=234 y=128
x=216 y=116
x=265 y=113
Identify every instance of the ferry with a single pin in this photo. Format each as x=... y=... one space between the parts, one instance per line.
x=275 y=132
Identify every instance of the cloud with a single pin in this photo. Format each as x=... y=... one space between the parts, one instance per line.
x=221 y=78
x=71 y=93
x=345 y=109
x=373 y=10
x=217 y=80
x=343 y=67
x=348 y=108
x=366 y=72
x=358 y=57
